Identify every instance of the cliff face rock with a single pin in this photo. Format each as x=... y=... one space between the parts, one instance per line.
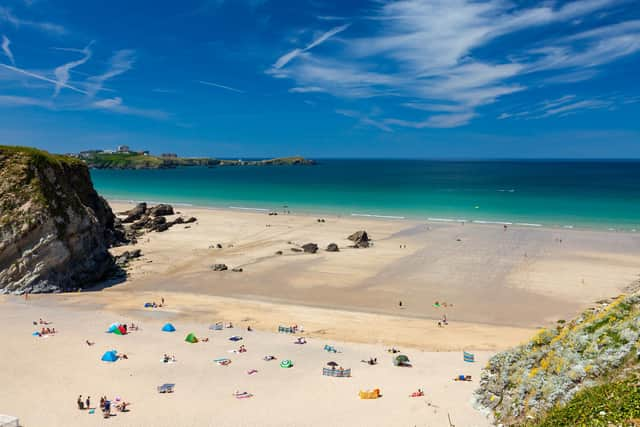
x=54 y=228
x=597 y=347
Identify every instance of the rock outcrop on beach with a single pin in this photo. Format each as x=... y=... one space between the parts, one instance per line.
x=360 y=239
x=310 y=248
x=588 y=360
x=332 y=247
x=55 y=230
x=142 y=218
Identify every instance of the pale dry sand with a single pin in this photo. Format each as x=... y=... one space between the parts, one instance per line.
x=42 y=377
x=499 y=286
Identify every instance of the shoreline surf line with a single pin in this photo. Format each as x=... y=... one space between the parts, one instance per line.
x=417 y=219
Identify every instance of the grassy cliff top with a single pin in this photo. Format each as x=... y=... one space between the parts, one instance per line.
x=39 y=156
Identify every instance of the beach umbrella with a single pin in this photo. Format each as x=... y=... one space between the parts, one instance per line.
x=168 y=327
x=286 y=364
x=191 y=338
x=332 y=363
x=110 y=356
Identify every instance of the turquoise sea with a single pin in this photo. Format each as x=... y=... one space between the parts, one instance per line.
x=593 y=194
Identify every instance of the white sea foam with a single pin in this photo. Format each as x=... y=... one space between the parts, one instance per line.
x=446 y=220
x=379 y=216
x=249 y=209
x=481 y=221
x=528 y=224
x=567 y=226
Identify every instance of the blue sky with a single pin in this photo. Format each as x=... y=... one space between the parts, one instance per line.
x=260 y=78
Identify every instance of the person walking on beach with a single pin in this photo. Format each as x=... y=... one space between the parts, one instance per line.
x=87 y=403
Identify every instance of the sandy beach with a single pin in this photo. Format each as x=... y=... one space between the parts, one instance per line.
x=498 y=285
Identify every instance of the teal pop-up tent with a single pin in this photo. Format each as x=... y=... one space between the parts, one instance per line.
x=110 y=356
x=168 y=327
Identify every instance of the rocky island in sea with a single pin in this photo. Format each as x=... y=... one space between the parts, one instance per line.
x=125 y=158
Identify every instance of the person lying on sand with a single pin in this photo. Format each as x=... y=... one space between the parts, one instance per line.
x=249 y=328
x=204 y=340
x=462 y=378
x=122 y=356
x=242 y=349
x=418 y=393
x=90 y=343
x=122 y=406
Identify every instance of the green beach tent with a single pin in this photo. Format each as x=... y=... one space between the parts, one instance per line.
x=191 y=338
x=286 y=364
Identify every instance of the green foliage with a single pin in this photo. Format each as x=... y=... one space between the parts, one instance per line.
x=612 y=403
x=40 y=157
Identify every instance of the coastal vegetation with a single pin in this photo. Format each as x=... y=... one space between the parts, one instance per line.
x=134 y=160
x=582 y=372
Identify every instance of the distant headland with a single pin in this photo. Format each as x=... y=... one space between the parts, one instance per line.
x=125 y=158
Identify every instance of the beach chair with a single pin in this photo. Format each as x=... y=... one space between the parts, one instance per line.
x=216 y=327
x=166 y=388
x=468 y=357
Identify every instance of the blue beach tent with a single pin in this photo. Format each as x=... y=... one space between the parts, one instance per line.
x=168 y=327
x=110 y=356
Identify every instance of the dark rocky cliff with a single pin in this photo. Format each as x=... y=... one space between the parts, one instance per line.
x=55 y=230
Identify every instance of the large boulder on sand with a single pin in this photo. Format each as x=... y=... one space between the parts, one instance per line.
x=360 y=239
x=161 y=210
x=332 y=247
x=310 y=248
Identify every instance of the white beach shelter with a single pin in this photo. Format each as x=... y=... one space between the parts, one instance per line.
x=9 y=421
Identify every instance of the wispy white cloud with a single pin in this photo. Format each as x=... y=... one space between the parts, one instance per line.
x=287 y=57
x=426 y=51
x=24 y=101
x=7 y=16
x=571 y=108
x=365 y=119
x=116 y=105
x=121 y=62
x=220 y=86
x=7 y=51
x=306 y=89
x=436 y=121
x=563 y=106
x=41 y=77
x=62 y=72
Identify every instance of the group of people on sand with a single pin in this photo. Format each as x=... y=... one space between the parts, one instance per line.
x=105 y=406
x=443 y=321
x=166 y=358
x=46 y=331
